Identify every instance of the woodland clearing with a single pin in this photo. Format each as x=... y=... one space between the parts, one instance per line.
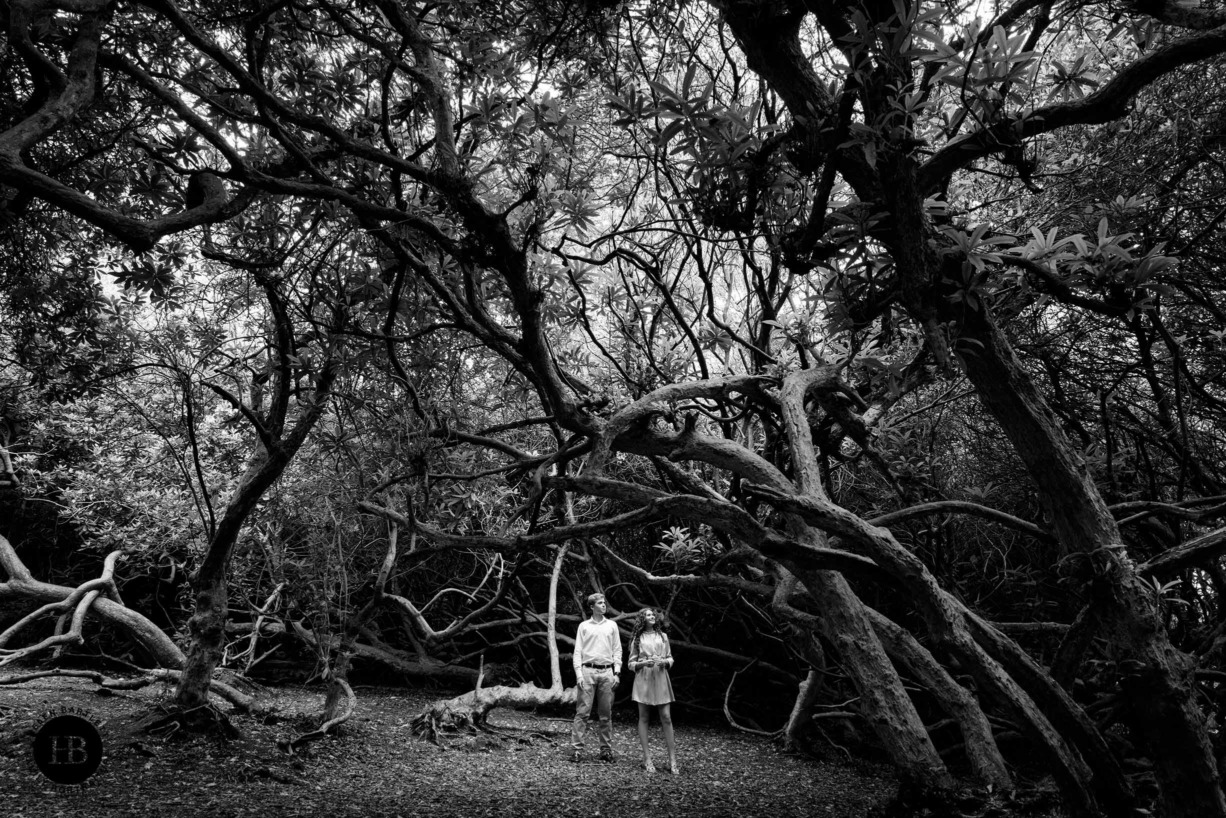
x=377 y=767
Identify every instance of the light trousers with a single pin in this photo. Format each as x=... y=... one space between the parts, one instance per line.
x=596 y=688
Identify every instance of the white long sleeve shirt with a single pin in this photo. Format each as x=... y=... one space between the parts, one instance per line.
x=599 y=643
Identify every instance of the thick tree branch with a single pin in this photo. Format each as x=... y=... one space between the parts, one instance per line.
x=1110 y=102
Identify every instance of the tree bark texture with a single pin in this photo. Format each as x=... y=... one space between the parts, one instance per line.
x=884 y=702
x=471 y=709
x=959 y=703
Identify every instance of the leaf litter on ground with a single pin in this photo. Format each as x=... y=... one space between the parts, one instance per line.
x=377 y=767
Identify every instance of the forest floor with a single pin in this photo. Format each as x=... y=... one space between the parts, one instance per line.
x=377 y=767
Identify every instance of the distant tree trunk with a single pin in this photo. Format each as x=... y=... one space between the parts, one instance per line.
x=811 y=686
x=801 y=715
x=339 y=692
x=340 y=701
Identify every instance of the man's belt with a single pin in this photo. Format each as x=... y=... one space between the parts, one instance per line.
x=598 y=667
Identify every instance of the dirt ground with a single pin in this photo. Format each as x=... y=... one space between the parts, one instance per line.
x=378 y=768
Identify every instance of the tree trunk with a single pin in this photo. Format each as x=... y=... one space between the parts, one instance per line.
x=1158 y=685
x=206 y=638
x=806 y=695
x=206 y=629
x=884 y=701
x=1078 y=516
x=471 y=709
x=981 y=750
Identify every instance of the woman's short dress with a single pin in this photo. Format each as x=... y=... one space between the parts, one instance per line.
x=651 y=683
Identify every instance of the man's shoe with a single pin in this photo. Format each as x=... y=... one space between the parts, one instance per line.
x=606 y=755
x=576 y=756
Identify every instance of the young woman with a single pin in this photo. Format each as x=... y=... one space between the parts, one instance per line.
x=650 y=658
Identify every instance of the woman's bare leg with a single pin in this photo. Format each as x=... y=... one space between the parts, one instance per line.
x=666 y=721
x=644 y=716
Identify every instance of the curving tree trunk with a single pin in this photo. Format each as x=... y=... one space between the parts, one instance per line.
x=845 y=620
x=276 y=448
x=1158 y=685
x=884 y=702
x=206 y=629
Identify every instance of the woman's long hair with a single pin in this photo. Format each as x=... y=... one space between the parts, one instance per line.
x=640 y=624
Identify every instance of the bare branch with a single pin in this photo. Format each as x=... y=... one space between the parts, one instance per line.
x=965 y=507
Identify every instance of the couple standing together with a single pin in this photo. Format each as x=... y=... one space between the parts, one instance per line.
x=598 y=659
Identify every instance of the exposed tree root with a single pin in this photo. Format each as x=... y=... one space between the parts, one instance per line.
x=207 y=718
x=291 y=746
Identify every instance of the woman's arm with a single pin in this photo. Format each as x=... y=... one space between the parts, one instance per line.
x=636 y=656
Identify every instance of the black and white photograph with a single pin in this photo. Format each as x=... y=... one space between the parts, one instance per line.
x=613 y=408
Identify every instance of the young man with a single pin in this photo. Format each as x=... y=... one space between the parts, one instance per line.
x=598 y=661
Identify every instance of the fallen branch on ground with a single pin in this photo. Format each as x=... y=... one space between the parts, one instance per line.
x=78 y=603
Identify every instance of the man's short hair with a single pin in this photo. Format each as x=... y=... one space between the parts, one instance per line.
x=591 y=599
